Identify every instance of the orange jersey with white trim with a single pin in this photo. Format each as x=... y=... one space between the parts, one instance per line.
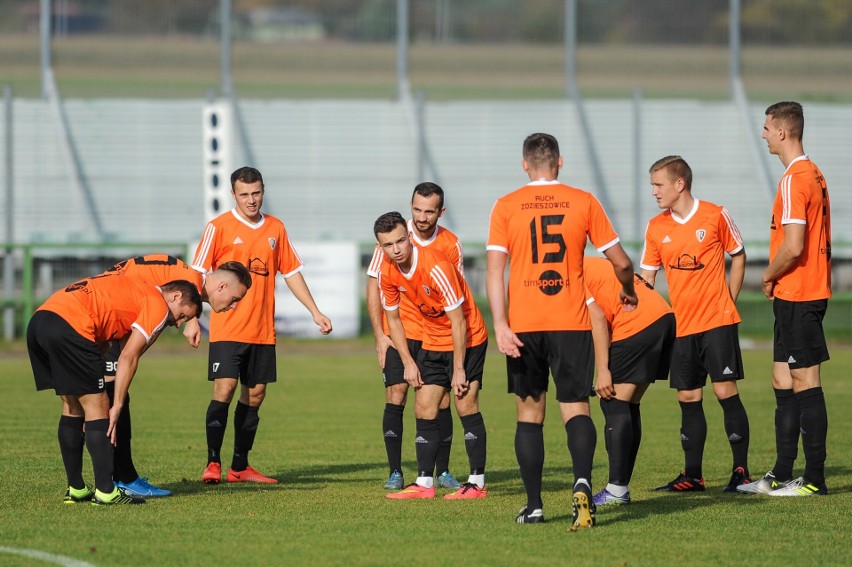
x=158 y=269
x=435 y=286
x=105 y=308
x=802 y=198
x=266 y=250
x=544 y=227
x=443 y=240
x=692 y=252
x=604 y=288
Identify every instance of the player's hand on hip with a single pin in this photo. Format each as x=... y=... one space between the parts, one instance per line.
x=628 y=302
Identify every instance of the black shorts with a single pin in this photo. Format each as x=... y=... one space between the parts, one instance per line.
x=715 y=352
x=250 y=363
x=569 y=355
x=111 y=359
x=799 y=336
x=436 y=367
x=63 y=359
x=394 y=372
x=646 y=356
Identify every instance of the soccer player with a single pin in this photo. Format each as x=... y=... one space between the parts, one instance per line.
x=221 y=288
x=632 y=350
x=452 y=355
x=798 y=282
x=242 y=341
x=689 y=240
x=427 y=206
x=66 y=338
x=541 y=229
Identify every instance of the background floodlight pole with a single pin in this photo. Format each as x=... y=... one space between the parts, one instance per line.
x=226 y=77
x=44 y=35
x=402 y=88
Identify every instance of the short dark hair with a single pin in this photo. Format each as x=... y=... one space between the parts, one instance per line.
x=247 y=175
x=541 y=150
x=239 y=270
x=189 y=292
x=791 y=116
x=676 y=167
x=427 y=189
x=387 y=222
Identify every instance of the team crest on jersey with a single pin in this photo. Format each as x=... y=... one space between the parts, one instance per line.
x=426 y=290
x=700 y=234
x=272 y=243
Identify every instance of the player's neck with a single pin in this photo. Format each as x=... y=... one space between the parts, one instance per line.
x=684 y=205
x=790 y=153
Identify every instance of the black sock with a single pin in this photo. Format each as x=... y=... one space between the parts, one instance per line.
x=123 y=468
x=618 y=433
x=475 y=442
x=787 y=418
x=529 y=450
x=392 y=428
x=445 y=432
x=100 y=449
x=245 y=428
x=426 y=446
x=736 y=427
x=693 y=435
x=582 y=439
x=814 y=422
x=217 y=422
x=71 y=443
x=636 y=424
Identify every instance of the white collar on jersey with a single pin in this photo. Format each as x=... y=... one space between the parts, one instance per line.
x=415 y=253
x=544 y=181
x=800 y=158
x=686 y=219
x=258 y=224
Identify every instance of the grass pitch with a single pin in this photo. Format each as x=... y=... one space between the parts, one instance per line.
x=320 y=435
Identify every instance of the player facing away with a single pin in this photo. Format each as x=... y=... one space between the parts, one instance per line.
x=688 y=240
x=452 y=356
x=633 y=349
x=65 y=340
x=242 y=340
x=798 y=282
x=541 y=230
x=222 y=289
x=427 y=206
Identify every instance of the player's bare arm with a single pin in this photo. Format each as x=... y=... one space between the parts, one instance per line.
x=397 y=334
x=623 y=267
x=128 y=362
x=374 y=309
x=649 y=276
x=299 y=289
x=508 y=342
x=459 y=382
x=787 y=257
x=737 y=273
x=602 y=338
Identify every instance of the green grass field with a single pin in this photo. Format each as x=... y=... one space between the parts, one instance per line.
x=320 y=434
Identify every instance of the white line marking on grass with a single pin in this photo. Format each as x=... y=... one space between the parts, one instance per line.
x=44 y=556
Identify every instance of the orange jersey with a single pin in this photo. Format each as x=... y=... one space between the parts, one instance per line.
x=802 y=198
x=435 y=287
x=442 y=240
x=158 y=269
x=108 y=307
x=543 y=227
x=603 y=288
x=692 y=252
x=266 y=250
